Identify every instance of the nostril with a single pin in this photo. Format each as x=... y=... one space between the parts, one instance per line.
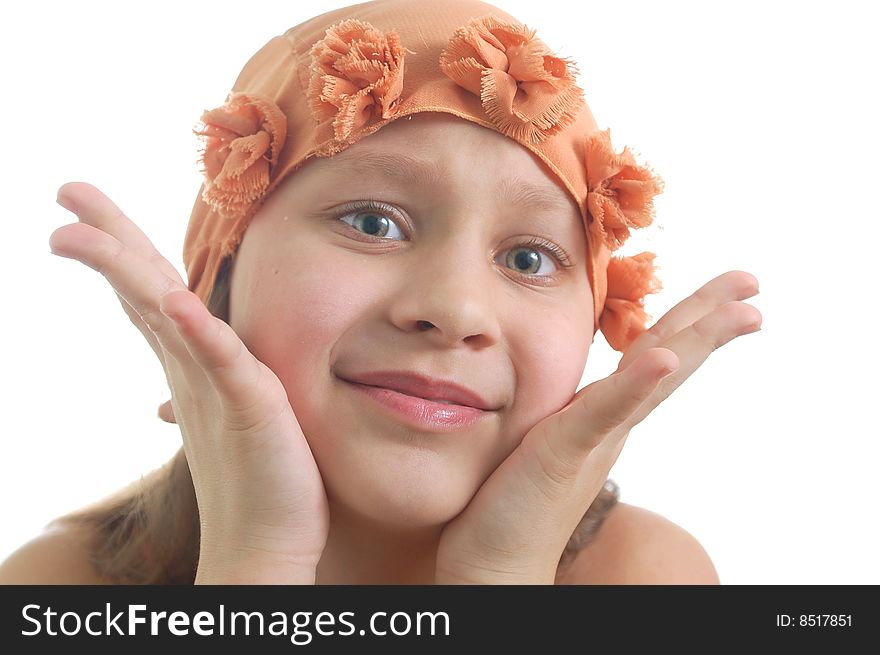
x=425 y=325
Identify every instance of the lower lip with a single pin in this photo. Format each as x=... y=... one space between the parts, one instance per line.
x=425 y=414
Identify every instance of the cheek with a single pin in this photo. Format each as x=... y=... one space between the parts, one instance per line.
x=550 y=366
x=291 y=317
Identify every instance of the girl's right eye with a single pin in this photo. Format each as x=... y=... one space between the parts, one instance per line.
x=370 y=218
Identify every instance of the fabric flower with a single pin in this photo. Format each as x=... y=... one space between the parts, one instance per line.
x=619 y=191
x=241 y=143
x=356 y=75
x=526 y=91
x=629 y=280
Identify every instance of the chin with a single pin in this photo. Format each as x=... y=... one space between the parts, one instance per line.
x=392 y=475
x=412 y=495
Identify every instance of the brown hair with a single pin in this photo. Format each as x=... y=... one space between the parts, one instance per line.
x=148 y=532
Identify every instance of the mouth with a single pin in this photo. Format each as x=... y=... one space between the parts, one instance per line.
x=427 y=414
x=419 y=385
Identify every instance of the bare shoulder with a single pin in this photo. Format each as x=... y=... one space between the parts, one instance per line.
x=637 y=546
x=56 y=556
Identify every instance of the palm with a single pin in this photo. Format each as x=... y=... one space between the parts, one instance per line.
x=259 y=491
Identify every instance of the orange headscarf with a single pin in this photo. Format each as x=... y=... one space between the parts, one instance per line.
x=336 y=78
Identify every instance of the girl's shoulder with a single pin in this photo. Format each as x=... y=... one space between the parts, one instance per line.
x=58 y=555
x=634 y=546
x=637 y=546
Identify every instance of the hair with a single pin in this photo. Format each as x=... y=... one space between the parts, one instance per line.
x=148 y=532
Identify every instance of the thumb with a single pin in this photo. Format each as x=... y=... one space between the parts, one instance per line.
x=596 y=412
x=166 y=412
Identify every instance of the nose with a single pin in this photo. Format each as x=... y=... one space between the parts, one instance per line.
x=449 y=296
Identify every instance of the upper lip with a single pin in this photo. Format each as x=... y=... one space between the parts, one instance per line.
x=415 y=384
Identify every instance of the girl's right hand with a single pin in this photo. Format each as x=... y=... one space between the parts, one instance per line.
x=263 y=509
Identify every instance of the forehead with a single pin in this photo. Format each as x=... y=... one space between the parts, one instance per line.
x=436 y=149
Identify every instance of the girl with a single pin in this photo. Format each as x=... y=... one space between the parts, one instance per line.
x=404 y=235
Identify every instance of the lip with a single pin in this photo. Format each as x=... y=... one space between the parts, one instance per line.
x=423 y=387
x=412 y=398
x=419 y=412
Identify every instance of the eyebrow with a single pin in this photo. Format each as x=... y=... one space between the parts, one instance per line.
x=514 y=189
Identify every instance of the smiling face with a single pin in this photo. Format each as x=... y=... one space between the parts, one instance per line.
x=353 y=267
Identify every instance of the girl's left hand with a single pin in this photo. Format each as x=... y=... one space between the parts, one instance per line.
x=516 y=527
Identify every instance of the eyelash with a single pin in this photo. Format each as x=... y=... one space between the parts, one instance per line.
x=388 y=211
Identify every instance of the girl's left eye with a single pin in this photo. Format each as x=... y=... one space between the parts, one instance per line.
x=373 y=219
x=371 y=222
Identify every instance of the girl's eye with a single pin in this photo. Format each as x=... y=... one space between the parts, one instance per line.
x=528 y=260
x=373 y=219
x=370 y=222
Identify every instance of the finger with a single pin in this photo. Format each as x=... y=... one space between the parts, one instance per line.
x=733 y=285
x=139 y=282
x=694 y=344
x=91 y=206
x=142 y=327
x=227 y=363
x=166 y=412
x=204 y=348
x=598 y=410
x=94 y=208
x=127 y=273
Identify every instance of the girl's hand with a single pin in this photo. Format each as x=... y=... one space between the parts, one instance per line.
x=262 y=506
x=517 y=525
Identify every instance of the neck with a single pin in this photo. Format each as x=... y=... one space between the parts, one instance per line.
x=362 y=551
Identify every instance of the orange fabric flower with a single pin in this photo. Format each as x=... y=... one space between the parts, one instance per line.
x=629 y=280
x=526 y=91
x=241 y=143
x=619 y=191
x=356 y=74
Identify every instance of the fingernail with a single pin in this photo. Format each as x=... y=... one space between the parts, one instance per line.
x=65 y=202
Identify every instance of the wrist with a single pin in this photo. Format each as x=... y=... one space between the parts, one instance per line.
x=234 y=568
x=481 y=576
x=243 y=574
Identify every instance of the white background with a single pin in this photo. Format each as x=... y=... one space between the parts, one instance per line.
x=760 y=116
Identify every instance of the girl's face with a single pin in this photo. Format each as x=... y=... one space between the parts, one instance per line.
x=447 y=270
